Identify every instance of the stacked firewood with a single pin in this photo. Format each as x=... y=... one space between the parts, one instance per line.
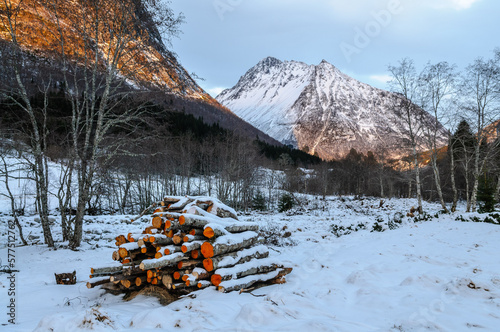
x=192 y=243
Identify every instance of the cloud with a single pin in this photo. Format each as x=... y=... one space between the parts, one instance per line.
x=462 y=4
x=214 y=92
x=354 y=8
x=381 y=78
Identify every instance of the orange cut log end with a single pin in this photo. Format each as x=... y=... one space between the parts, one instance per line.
x=184 y=249
x=209 y=232
x=158 y=255
x=138 y=281
x=170 y=234
x=149 y=274
x=166 y=252
x=177 y=275
x=207 y=250
x=188 y=283
x=92 y=270
x=195 y=254
x=192 y=232
x=216 y=279
x=185 y=238
x=185 y=277
x=168 y=224
x=182 y=220
x=122 y=252
x=208 y=264
x=179 y=265
x=154 y=281
x=144 y=250
x=126 y=261
x=157 y=222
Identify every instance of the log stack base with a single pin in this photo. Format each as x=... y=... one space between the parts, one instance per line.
x=192 y=243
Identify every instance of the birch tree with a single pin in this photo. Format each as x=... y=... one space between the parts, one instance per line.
x=15 y=89
x=480 y=88
x=437 y=82
x=405 y=83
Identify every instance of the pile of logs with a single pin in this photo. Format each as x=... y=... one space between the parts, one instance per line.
x=192 y=243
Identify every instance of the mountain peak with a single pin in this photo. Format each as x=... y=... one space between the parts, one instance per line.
x=270 y=62
x=318 y=109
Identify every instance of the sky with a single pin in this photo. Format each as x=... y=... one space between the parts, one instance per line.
x=223 y=39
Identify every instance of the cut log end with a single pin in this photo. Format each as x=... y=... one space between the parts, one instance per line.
x=157 y=222
x=184 y=249
x=207 y=250
x=182 y=220
x=195 y=254
x=208 y=264
x=216 y=279
x=208 y=232
x=122 y=252
x=168 y=224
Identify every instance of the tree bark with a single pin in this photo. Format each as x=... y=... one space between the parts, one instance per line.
x=226 y=244
x=234 y=258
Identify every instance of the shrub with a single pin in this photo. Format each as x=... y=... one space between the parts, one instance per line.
x=285 y=203
x=486 y=195
x=259 y=202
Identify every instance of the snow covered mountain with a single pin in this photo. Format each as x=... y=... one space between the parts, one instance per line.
x=319 y=109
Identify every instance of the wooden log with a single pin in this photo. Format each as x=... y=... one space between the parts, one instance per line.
x=181 y=204
x=255 y=266
x=97 y=282
x=203 y=284
x=190 y=246
x=216 y=279
x=189 y=264
x=192 y=238
x=161 y=262
x=245 y=282
x=108 y=269
x=195 y=254
x=167 y=281
x=121 y=276
x=162 y=223
x=200 y=273
x=126 y=283
x=177 y=238
x=157 y=222
x=141 y=280
x=196 y=232
x=132 y=237
x=160 y=239
x=237 y=257
x=171 y=199
x=229 y=243
x=168 y=250
x=121 y=239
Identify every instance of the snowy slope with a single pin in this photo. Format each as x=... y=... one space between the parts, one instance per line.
x=318 y=109
x=439 y=275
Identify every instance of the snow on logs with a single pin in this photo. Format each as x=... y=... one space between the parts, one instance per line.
x=191 y=243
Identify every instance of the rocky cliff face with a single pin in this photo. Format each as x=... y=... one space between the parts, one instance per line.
x=320 y=110
x=92 y=33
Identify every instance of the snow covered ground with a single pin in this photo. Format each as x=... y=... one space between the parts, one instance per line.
x=435 y=275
